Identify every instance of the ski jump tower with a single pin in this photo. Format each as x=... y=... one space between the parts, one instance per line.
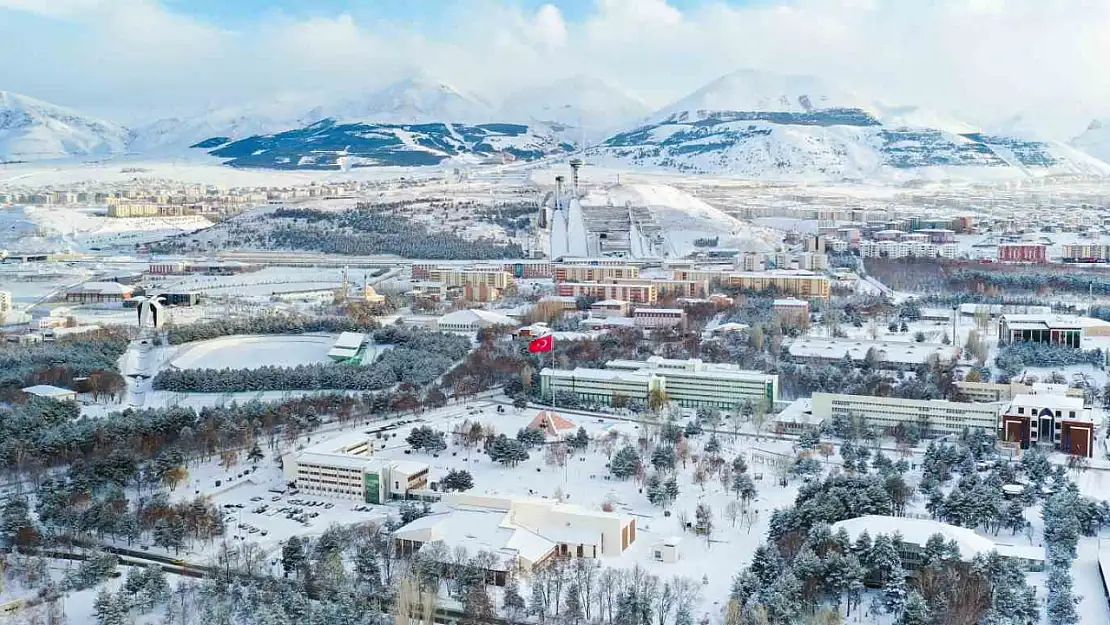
x=568 y=227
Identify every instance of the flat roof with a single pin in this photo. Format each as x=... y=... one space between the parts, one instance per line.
x=46 y=390
x=889 y=351
x=350 y=339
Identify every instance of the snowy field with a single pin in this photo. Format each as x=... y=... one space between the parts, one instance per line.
x=251 y=352
x=72 y=229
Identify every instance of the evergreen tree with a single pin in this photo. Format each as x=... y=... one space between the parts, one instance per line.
x=456 y=480
x=255 y=455
x=512 y=602
x=107 y=610
x=713 y=445
x=625 y=463
x=915 y=611
x=663 y=458
x=580 y=440
x=292 y=555
x=809 y=439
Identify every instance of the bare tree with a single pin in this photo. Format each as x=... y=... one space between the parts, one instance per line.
x=732 y=511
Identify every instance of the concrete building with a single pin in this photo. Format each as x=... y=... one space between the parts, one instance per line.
x=791 y=310
x=99 y=292
x=524 y=533
x=1046 y=416
x=1022 y=253
x=1065 y=330
x=915 y=534
x=1086 y=253
x=471 y=321
x=609 y=308
x=892 y=355
x=633 y=293
x=346 y=468
x=985 y=392
x=934 y=417
x=51 y=392
x=689 y=383
x=667 y=550
x=595 y=273
x=659 y=317
x=458 y=277
x=796 y=283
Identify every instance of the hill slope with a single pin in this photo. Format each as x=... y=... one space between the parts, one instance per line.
x=581 y=105
x=32 y=130
x=404 y=145
x=765 y=126
x=1095 y=140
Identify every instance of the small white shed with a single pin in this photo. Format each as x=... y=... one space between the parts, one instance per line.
x=667 y=550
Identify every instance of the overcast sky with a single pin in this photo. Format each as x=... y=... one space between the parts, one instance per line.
x=135 y=59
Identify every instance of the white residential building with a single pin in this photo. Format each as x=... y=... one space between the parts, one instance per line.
x=689 y=383
x=935 y=417
x=51 y=392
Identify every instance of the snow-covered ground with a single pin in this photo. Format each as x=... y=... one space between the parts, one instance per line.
x=251 y=352
x=65 y=228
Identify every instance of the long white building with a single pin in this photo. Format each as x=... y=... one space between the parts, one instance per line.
x=346 y=468
x=935 y=417
x=689 y=383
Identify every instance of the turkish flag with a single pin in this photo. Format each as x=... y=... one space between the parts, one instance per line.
x=544 y=343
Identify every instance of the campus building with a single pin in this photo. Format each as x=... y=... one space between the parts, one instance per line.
x=522 y=533
x=659 y=317
x=997 y=392
x=647 y=293
x=1046 y=416
x=934 y=417
x=1064 y=330
x=796 y=283
x=595 y=273
x=347 y=469
x=915 y=534
x=689 y=383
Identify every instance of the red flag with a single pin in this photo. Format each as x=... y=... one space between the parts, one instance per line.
x=544 y=343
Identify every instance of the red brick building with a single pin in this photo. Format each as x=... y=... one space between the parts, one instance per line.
x=1022 y=253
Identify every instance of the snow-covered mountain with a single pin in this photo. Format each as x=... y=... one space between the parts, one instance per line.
x=320 y=145
x=1095 y=140
x=224 y=125
x=768 y=126
x=416 y=100
x=582 y=105
x=32 y=130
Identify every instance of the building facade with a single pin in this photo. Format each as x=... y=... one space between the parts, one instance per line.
x=595 y=273
x=633 y=293
x=659 y=317
x=800 y=283
x=1022 y=253
x=934 y=417
x=688 y=383
x=1052 y=419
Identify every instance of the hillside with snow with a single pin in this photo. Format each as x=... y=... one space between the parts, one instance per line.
x=579 y=106
x=765 y=126
x=414 y=100
x=322 y=144
x=222 y=125
x=33 y=130
x=1095 y=140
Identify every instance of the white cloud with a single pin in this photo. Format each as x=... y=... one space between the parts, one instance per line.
x=981 y=58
